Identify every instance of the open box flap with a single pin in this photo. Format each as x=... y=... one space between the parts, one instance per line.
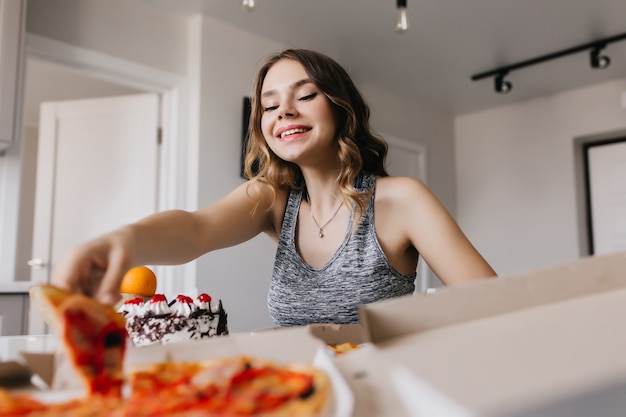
x=416 y=313
x=338 y=333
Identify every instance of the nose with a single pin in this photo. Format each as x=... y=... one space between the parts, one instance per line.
x=287 y=111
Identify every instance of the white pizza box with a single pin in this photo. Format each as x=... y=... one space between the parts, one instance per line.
x=331 y=333
x=371 y=383
x=545 y=343
x=334 y=334
x=452 y=305
x=265 y=344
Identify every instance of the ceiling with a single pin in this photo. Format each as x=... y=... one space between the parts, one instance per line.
x=448 y=41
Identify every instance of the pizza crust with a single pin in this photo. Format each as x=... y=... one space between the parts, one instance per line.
x=313 y=405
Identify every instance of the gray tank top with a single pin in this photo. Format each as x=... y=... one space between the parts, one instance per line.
x=358 y=273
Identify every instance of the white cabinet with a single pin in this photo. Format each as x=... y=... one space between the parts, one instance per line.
x=12 y=17
x=14 y=313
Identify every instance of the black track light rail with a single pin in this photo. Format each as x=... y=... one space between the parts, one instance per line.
x=601 y=43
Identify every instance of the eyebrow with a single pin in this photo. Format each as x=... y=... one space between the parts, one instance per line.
x=292 y=86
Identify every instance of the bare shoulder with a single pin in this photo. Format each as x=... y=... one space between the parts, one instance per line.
x=401 y=190
x=409 y=203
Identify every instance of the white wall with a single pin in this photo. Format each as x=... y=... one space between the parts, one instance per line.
x=516 y=177
x=126 y=29
x=416 y=122
x=239 y=275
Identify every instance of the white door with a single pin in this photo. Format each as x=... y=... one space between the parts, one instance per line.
x=408 y=159
x=97 y=169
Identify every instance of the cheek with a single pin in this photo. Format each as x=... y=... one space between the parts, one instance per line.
x=267 y=126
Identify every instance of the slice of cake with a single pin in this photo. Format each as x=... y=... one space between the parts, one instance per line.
x=183 y=319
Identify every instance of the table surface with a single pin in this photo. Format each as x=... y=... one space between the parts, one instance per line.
x=11 y=346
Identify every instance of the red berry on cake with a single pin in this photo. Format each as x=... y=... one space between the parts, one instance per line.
x=204 y=298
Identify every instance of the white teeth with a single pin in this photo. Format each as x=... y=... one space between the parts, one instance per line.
x=292 y=131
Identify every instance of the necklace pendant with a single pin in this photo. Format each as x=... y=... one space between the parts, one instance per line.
x=320 y=234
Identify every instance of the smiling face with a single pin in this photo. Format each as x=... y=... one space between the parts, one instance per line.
x=297 y=118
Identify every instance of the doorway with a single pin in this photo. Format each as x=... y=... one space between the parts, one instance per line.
x=47 y=81
x=117 y=77
x=97 y=169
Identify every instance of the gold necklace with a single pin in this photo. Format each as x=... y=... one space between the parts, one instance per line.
x=320 y=234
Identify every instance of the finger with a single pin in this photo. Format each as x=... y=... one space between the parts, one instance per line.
x=109 y=290
x=68 y=275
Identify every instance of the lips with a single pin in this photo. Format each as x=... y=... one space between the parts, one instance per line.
x=290 y=131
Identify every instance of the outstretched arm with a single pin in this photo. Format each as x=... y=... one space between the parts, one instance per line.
x=171 y=237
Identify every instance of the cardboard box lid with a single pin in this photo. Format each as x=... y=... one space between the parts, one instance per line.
x=334 y=334
x=375 y=395
x=401 y=316
x=283 y=345
x=519 y=363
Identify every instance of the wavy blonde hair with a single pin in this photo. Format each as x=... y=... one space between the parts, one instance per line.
x=360 y=149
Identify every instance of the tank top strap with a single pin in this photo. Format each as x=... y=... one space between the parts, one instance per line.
x=288 y=227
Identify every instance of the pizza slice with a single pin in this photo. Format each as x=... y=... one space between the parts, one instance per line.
x=18 y=404
x=92 y=335
x=237 y=386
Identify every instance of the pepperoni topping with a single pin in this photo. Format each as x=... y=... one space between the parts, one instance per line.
x=184 y=299
x=158 y=298
x=134 y=301
x=204 y=298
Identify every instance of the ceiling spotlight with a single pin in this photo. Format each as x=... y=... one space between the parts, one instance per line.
x=402 y=21
x=501 y=85
x=248 y=5
x=599 y=61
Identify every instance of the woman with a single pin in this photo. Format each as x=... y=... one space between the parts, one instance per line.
x=319 y=178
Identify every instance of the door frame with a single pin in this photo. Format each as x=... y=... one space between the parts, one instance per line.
x=178 y=169
x=583 y=203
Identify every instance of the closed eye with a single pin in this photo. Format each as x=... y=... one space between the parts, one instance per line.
x=308 y=97
x=270 y=108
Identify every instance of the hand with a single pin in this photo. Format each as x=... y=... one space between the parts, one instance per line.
x=96 y=268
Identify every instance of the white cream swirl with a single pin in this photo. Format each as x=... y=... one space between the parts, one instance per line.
x=157 y=306
x=130 y=310
x=181 y=308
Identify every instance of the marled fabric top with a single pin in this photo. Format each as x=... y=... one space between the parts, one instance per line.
x=358 y=273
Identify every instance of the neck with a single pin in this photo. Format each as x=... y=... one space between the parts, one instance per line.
x=322 y=189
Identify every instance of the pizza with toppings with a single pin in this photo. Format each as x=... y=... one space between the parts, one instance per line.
x=237 y=386
x=341 y=348
x=233 y=386
x=92 y=335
